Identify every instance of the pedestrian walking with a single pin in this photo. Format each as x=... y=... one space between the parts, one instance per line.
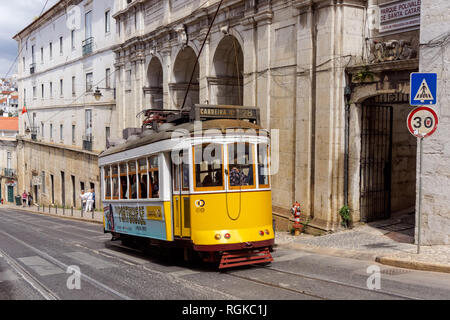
x=83 y=201
x=30 y=199
x=24 y=198
x=87 y=197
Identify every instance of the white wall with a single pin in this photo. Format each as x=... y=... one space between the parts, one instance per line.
x=69 y=109
x=435 y=25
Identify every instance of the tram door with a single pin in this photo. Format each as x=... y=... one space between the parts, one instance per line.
x=181 y=200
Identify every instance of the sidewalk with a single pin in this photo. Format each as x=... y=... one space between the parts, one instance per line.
x=59 y=212
x=388 y=242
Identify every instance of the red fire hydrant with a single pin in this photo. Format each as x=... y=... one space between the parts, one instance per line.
x=295 y=210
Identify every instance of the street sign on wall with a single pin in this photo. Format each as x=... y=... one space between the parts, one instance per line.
x=423 y=89
x=398 y=16
x=422 y=122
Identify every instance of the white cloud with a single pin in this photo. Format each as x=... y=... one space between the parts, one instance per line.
x=16 y=15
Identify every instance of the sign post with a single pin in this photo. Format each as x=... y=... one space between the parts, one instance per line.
x=422 y=122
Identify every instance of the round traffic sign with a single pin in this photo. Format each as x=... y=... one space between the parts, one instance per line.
x=422 y=122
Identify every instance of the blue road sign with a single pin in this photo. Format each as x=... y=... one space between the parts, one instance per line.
x=423 y=89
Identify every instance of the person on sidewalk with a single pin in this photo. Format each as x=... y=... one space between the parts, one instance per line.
x=87 y=196
x=24 y=198
x=83 y=201
x=30 y=199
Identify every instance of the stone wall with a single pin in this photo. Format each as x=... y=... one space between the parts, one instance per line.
x=435 y=57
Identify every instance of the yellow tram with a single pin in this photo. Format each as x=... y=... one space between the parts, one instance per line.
x=200 y=181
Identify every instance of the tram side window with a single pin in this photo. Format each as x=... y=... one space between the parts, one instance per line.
x=143 y=178
x=153 y=172
x=208 y=166
x=240 y=165
x=263 y=165
x=107 y=183
x=132 y=179
x=123 y=181
x=115 y=181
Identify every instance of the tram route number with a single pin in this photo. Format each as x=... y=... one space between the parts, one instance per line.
x=422 y=122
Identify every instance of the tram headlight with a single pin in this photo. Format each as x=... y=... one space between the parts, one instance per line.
x=261 y=233
x=217 y=236
x=227 y=236
x=267 y=231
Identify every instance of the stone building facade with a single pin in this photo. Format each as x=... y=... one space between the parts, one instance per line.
x=381 y=151
x=64 y=55
x=288 y=58
x=435 y=57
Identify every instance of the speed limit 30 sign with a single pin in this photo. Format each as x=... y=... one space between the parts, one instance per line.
x=422 y=122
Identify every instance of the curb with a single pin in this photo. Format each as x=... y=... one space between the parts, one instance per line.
x=343 y=253
x=54 y=215
x=358 y=255
x=413 y=264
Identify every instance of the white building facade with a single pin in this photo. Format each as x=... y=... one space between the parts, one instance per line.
x=64 y=55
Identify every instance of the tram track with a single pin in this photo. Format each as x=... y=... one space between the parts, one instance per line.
x=47 y=293
x=304 y=292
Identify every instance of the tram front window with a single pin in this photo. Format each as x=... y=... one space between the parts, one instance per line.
x=208 y=166
x=240 y=164
x=132 y=179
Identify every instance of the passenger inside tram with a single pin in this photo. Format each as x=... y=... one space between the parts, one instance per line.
x=155 y=186
x=123 y=187
x=143 y=186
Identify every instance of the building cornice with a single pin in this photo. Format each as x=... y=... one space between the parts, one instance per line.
x=57 y=146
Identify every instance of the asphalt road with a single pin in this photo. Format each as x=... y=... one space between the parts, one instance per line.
x=38 y=254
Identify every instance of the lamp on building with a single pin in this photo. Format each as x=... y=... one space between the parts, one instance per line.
x=98 y=94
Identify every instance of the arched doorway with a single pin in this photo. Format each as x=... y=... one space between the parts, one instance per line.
x=154 y=89
x=226 y=84
x=387 y=160
x=182 y=72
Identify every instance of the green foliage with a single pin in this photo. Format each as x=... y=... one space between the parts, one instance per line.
x=344 y=212
x=362 y=75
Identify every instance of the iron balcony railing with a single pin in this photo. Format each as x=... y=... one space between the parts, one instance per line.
x=88 y=45
x=87 y=142
x=7 y=172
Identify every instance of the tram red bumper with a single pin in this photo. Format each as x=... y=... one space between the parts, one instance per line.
x=235 y=246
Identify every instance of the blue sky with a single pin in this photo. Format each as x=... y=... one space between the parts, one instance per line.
x=14 y=16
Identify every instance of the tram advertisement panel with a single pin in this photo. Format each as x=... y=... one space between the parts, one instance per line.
x=139 y=220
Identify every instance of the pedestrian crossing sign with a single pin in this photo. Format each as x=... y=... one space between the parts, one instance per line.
x=423 y=89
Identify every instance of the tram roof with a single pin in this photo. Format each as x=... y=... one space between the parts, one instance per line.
x=143 y=139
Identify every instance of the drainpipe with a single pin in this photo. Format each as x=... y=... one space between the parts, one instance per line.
x=347 y=95
x=313 y=107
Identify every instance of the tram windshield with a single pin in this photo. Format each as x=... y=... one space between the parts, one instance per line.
x=241 y=165
x=208 y=169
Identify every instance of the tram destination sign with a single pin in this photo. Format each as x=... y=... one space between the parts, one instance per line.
x=208 y=112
